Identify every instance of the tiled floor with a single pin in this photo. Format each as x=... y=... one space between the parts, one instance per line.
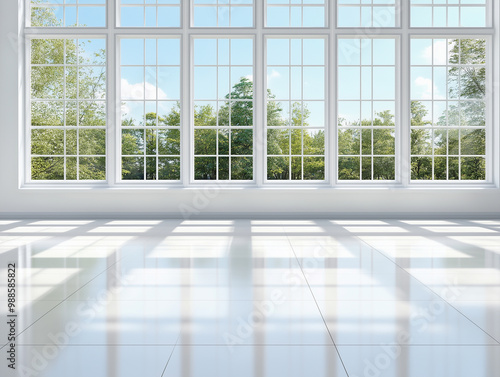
x=255 y=298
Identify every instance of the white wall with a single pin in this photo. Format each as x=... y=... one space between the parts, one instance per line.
x=163 y=202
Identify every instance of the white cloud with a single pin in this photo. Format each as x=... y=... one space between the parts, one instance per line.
x=140 y=91
x=274 y=75
x=426 y=88
x=440 y=50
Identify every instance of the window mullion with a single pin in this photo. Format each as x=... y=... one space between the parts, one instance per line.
x=113 y=141
x=187 y=104
x=491 y=70
x=403 y=160
x=260 y=103
x=331 y=156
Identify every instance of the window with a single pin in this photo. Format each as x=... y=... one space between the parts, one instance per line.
x=150 y=108
x=275 y=93
x=223 y=109
x=296 y=94
x=68 y=109
x=448 y=13
x=223 y=13
x=47 y=13
x=367 y=13
x=366 y=108
x=296 y=13
x=150 y=13
x=448 y=109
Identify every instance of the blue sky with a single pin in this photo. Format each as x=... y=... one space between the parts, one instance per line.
x=424 y=15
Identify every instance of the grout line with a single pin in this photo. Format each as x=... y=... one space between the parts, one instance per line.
x=171 y=353
x=261 y=345
x=316 y=302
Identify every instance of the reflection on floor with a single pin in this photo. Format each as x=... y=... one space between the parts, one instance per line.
x=253 y=298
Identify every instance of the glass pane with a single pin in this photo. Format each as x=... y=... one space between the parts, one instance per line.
x=448 y=86
x=295 y=13
x=296 y=122
x=151 y=107
x=68 y=109
x=226 y=13
x=471 y=13
x=366 y=13
x=68 y=13
x=367 y=109
x=161 y=13
x=223 y=108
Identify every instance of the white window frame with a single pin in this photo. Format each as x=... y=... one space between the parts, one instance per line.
x=117 y=18
x=119 y=128
x=192 y=6
x=489 y=128
x=489 y=13
x=328 y=177
x=27 y=18
x=397 y=16
x=260 y=32
x=398 y=141
x=192 y=180
x=327 y=7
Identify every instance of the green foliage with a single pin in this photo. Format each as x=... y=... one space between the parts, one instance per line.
x=374 y=137
x=209 y=141
x=43 y=16
x=224 y=137
x=54 y=79
x=458 y=151
x=152 y=152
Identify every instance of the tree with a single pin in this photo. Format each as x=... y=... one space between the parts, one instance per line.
x=420 y=142
x=357 y=145
x=159 y=141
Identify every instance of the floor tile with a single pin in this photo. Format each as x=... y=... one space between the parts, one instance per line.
x=391 y=360
x=163 y=284
x=462 y=284
x=485 y=314
x=406 y=322
x=270 y=322
x=85 y=361
x=101 y=322
x=262 y=361
x=358 y=286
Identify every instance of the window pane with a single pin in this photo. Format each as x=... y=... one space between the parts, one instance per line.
x=366 y=109
x=63 y=13
x=227 y=13
x=223 y=109
x=68 y=109
x=366 y=13
x=150 y=111
x=286 y=13
x=296 y=109
x=150 y=13
x=448 y=109
x=464 y=13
